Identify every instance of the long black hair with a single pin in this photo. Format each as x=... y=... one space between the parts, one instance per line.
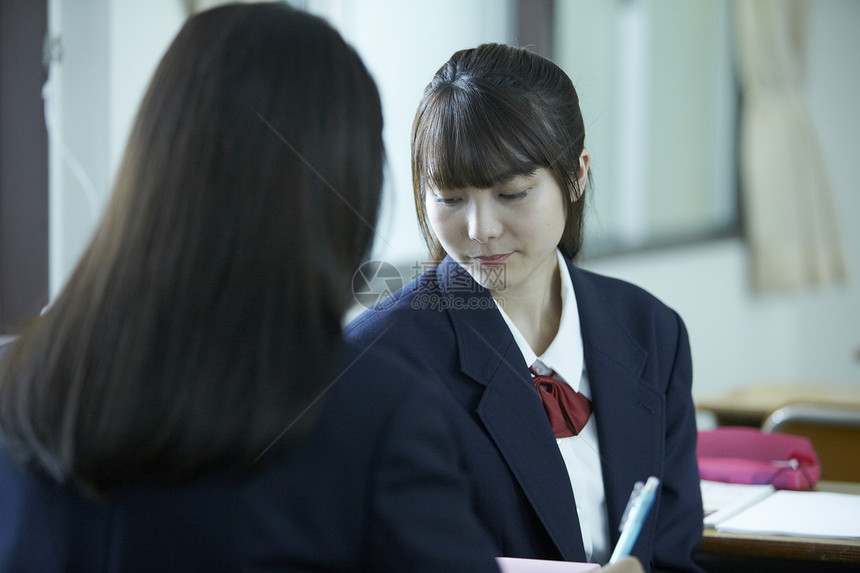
x=491 y=113
x=204 y=317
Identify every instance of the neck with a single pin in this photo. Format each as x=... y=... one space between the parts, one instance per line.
x=535 y=307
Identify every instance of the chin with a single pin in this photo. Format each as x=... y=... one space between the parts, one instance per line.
x=492 y=278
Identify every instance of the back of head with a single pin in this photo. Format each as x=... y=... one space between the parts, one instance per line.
x=217 y=280
x=491 y=113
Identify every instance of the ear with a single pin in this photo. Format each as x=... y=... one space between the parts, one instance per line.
x=579 y=189
x=584 y=160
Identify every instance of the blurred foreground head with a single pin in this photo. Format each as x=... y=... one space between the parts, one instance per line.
x=201 y=320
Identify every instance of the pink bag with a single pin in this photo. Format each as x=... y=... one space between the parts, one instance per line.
x=748 y=455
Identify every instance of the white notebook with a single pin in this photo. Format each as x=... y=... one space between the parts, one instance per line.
x=723 y=500
x=801 y=513
x=514 y=565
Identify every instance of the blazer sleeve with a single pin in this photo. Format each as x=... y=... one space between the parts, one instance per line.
x=679 y=527
x=421 y=511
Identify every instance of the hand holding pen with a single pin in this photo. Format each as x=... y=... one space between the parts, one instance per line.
x=634 y=516
x=624 y=565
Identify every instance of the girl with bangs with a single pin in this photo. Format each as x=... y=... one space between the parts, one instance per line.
x=572 y=386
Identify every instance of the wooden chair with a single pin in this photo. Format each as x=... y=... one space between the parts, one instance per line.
x=833 y=429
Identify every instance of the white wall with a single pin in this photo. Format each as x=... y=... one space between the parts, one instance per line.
x=76 y=97
x=109 y=50
x=112 y=46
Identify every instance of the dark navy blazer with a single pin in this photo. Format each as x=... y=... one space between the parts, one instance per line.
x=377 y=486
x=638 y=361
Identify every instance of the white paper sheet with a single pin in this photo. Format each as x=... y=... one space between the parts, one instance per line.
x=513 y=565
x=723 y=500
x=802 y=513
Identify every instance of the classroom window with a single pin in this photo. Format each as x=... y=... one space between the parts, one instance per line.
x=659 y=98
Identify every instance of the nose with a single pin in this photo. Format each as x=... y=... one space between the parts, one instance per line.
x=484 y=223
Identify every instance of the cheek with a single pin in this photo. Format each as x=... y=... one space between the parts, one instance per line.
x=443 y=223
x=560 y=220
x=557 y=215
x=545 y=224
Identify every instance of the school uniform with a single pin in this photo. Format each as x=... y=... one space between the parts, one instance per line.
x=637 y=367
x=376 y=486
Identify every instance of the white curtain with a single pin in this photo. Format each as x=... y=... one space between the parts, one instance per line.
x=788 y=206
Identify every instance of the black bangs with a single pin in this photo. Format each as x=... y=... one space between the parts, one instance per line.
x=467 y=138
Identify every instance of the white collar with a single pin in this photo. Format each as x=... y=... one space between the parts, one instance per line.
x=564 y=354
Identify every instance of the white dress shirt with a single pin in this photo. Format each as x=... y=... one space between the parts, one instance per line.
x=581 y=453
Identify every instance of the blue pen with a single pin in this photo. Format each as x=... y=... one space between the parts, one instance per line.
x=634 y=516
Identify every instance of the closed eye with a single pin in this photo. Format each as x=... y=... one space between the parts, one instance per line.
x=446 y=200
x=514 y=196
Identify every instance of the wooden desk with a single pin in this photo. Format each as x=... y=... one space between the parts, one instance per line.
x=786 y=547
x=780 y=547
x=750 y=406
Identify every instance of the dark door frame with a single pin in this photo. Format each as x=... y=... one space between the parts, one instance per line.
x=23 y=163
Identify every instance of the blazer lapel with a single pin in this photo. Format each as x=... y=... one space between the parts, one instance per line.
x=510 y=406
x=629 y=412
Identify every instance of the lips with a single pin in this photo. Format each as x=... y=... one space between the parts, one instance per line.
x=490 y=260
